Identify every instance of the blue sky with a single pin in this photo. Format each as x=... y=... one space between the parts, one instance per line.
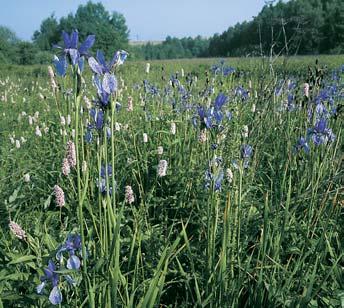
x=146 y=19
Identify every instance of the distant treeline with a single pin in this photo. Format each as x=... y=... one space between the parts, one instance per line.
x=173 y=48
x=293 y=27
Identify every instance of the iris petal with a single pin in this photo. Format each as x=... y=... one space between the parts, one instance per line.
x=95 y=66
x=73 y=262
x=55 y=296
x=101 y=58
x=109 y=83
x=87 y=44
x=74 y=55
x=74 y=39
x=66 y=39
x=40 y=287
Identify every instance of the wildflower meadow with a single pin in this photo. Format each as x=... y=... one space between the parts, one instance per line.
x=176 y=183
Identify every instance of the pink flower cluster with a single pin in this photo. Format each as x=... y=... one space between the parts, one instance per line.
x=59 y=196
x=17 y=230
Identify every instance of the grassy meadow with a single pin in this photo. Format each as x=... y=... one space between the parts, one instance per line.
x=200 y=182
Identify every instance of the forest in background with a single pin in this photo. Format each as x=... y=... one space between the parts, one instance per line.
x=296 y=27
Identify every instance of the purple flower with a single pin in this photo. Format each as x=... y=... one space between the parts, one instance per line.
x=17 y=230
x=72 y=49
x=102 y=184
x=88 y=135
x=105 y=88
x=129 y=194
x=209 y=116
x=73 y=262
x=103 y=171
x=321 y=133
x=220 y=100
x=51 y=276
x=59 y=196
x=227 y=70
x=99 y=66
x=302 y=144
x=97 y=117
x=71 y=246
x=61 y=65
x=241 y=92
x=55 y=296
x=218 y=180
x=246 y=151
x=216 y=177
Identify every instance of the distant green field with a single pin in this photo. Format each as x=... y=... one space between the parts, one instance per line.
x=292 y=64
x=199 y=183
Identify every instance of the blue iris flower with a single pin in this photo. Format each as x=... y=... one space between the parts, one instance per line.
x=61 y=65
x=88 y=135
x=97 y=116
x=99 y=65
x=103 y=171
x=101 y=183
x=71 y=48
x=246 y=151
x=222 y=68
x=291 y=104
x=242 y=93
x=71 y=246
x=213 y=114
x=50 y=275
x=218 y=180
x=302 y=144
x=220 y=100
x=105 y=88
x=321 y=133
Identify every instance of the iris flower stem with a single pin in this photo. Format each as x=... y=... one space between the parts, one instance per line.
x=113 y=209
x=80 y=201
x=241 y=169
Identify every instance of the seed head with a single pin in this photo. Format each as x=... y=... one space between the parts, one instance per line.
x=38 y=132
x=162 y=168
x=147 y=68
x=173 y=128
x=203 y=136
x=160 y=150
x=84 y=166
x=306 y=89
x=27 y=177
x=130 y=104
x=229 y=175
x=145 y=138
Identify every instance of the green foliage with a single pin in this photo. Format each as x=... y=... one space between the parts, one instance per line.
x=25 y=53
x=48 y=34
x=92 y=18
x=8 y=40
x=43 y=57
x=272 y=237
